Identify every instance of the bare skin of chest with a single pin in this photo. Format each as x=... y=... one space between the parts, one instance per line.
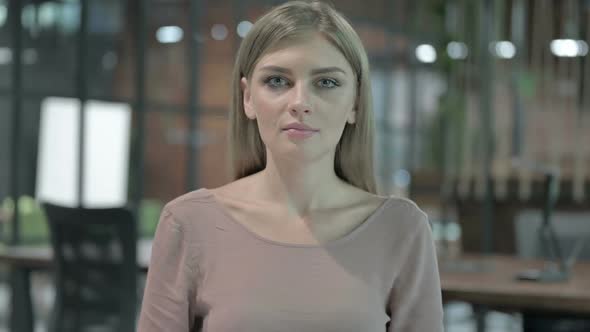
x=275 y=224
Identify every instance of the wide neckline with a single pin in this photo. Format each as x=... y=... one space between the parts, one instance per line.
x=343 y=239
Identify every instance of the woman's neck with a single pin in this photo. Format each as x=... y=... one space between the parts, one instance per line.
x=302 y=189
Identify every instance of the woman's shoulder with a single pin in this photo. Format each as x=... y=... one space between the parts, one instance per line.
x=406 y=205
x=405 y=213
x=189 y=199
x=186 y=208
x=201 y=202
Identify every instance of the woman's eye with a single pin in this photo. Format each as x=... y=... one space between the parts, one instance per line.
x=275 y=82
x=279 y=82
x=328 y=83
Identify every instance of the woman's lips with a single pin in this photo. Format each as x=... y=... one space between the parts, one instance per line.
x=299 y=134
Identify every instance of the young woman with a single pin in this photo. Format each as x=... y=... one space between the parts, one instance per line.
x=300 y=240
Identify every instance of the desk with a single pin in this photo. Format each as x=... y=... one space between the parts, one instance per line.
x=492 y=283
x=24 y=259
x=41 y=257
x=489 y=281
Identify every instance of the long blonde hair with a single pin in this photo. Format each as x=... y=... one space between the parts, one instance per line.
x=353 y=161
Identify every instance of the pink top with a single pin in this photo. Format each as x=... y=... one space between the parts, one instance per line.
x=210 y=273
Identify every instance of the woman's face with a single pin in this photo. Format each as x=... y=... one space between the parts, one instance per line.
x=305 y=82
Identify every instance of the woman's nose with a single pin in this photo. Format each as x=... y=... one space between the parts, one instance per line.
x=300 y=103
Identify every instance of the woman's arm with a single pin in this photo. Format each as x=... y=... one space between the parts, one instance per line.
x=169 y=295
x=416 y=301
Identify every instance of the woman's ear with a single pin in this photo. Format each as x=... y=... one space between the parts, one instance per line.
x=248 y=109
x=351 y=116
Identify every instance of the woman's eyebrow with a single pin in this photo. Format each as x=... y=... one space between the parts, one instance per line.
x=314 y=71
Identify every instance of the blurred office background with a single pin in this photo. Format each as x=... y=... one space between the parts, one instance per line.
x=475 y=103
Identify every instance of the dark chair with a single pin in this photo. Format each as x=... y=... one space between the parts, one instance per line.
x=96 y=268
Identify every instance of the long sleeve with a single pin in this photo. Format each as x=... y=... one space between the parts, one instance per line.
x=416 y=301
x=169 y=295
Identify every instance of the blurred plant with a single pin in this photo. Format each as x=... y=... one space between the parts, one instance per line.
x=446 y=130
x=33 y=223
x=149 y=214
x=527 y=83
